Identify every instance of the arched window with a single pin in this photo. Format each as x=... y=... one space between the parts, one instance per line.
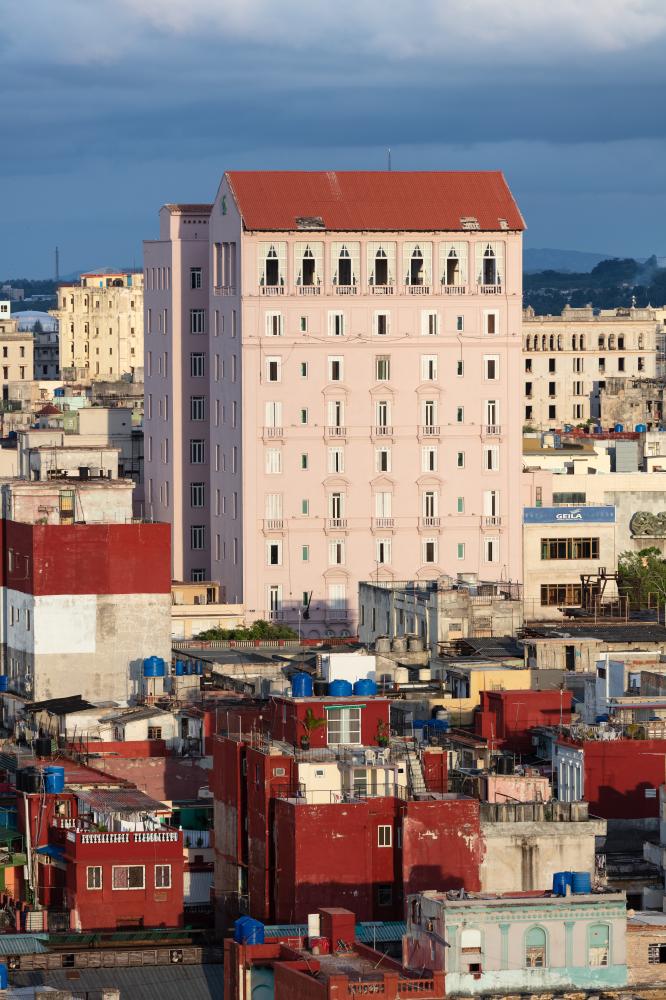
x=272 y=268
x=452 y=276
x=535 y=948
x=552 y=342
x=416 y=267
x=307 y=276
x=344 y=267
x=602 y=341
x=598 y=945
x=611 y=341
x=544 y=343
x=381 y=267
x=582 y=342
x=489 y=266
x=574 y=342
x=559 y=341
x=640 y=341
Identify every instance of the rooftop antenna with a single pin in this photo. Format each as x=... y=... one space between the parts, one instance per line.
x=57 y=262
x=389 y=157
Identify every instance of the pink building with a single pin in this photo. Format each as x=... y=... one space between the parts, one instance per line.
x=333 y=385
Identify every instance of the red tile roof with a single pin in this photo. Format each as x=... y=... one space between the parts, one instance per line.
x=381 y=201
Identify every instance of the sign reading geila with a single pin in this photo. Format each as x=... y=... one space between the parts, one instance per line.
x=569 y=515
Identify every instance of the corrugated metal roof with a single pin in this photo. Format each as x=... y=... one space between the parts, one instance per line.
x=23 y=944
x=121 y=800
x=366 y=932
x=379 y=201
x=155 y=982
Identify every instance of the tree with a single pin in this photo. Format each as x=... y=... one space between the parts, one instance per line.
x=641 y=574
x=258 y=630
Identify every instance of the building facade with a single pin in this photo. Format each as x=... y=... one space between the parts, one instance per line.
x=345 y=363
x=568 y=358
x=101 y=326
x=16 y=359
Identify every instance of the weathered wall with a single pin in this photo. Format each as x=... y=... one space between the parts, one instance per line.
x=441 y=845
x=640 y=971
x=524 y=856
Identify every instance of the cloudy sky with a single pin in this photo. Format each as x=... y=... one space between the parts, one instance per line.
x=112 y=107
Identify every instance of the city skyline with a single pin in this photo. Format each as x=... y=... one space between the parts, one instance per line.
x=115 y=110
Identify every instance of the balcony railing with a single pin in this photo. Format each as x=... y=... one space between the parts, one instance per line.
x=430 y=522
x=334 y=431
x=381 y=289
x=430 y=430
x=271 y=289
x=225 y=290
x=309 y=289
x=345 y=289
x=337 y=523
x=492 y=520
x=383 y=430
x=140 y=837
x=274 y=524
x=492 y=430
x=273 y=432
x=453 y=289
x=417 y=289
x=383 y=522
x=489 y=289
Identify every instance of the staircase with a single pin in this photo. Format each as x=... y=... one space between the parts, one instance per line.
x=415 y=779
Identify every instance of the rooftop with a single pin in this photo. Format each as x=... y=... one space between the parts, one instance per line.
x=122 y=801
x=623 y=632
x=535 y=897
x=136 y=715
x=375 y=201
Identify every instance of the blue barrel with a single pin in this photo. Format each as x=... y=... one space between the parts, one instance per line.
x=54 y=780
x=180 y=668
x=365 y=687
x=4 y=682
x=189 y=667
x=4 y=976
x=238 y=928
x=440 y=725
x=618 y=428
x=598 y=429
x=154 y=666
x=581 y=882
x=340 y=689
x=419 y=723
x=301 y=686
x=641 y=428
x=252 y=932
x=560 y=882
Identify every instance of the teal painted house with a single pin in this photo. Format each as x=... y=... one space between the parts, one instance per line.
x=520 y=943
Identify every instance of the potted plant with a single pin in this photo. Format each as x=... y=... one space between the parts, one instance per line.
x=383 y=734
x=310 y=724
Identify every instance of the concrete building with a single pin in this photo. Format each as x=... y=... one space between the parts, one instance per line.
x=632 y=403
x=16 y=360
x=515 y=944
x=196 y=607
x=85 y=590
x=568 y=358
x=334 y=348
x=101 y=326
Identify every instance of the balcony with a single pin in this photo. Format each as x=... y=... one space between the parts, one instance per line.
x=491 y=521
x=273 y=432
x=345 y=289
x=336 y=524
x=381 y=289
x=489 y=289
x=492 y=430
x=453 y=289
x=417 y=289
x=383 y=430
x=224 y=290
x=430 y=430
x=382 y=523
x=334 y=431
x=430 y=522
x=271 y=289
x=274 y=524
x=308 y=289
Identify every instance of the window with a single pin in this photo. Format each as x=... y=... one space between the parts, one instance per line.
x=460 y=324
x=274 y=553
x=460 y=368
x=429 y=324
x=491 y=549
x=620 y=364
x=94 y=877
x=383 y=550
x=336 y=552
x=578 y=365
x=197 y=408
x=155 y=732
x=491 y=367
x=383 y=503
x=535 y=948
x=197 y=494
x=197 y=365
x=305 y=507
x=460 y=459
x=429 y=503
x=335 y=369
x=162 y=876
x=304 y=460
x=336 y=505
x=336 y=460
x=128 y=877
x=382 y=368
x=430 y=413
x=274 y=369
x=381 y=324
x=382 y=413
x=461 y=550
x=197 y=320
x=273 y=461
x=305 y=553
x=304 y=415
x=344 y=726
x=491 y=458
x=384 y=836
x=272 y=265
x=385 y=895
x=460 y=505
x=429 y=367
x=195 y=277
x=569 y=498
x=197 y=537
x=273 y=413
x=556 y=594
x=490 y=323
x=656 y=954
x=273 y=324
x=429 y=459
x=336 y=324
x=383 y=459
x=304 y=369
x=345 y=265
x=460 y=414
x=429 y=553
x=598 y=945
x=381 y=264
x=528 y=365
x=569 y=548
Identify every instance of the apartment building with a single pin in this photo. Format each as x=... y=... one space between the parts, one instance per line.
x=568 y=358
x=101 y=326
x=333 y=385
x=16 y=356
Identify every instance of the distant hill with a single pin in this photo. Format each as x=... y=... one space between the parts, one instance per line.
x=546 y=259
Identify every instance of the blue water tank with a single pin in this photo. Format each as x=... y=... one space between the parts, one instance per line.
x=4 y=976
x=301 y=686
x=581 y=882
x=154 y=666
x=560 y=883
x=238 y=928
x=4 y=682
x=340 y=689
x=439 y=725
x=180 y=668
x=252 y=932
x=419 y=724
x=618 y=428
x=54 y=780
x=199 y=667
x=59 y=392
x=641 y=428
x=365 y=687
x=598 y=429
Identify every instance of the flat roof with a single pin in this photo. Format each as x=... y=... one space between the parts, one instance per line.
x=121 y=800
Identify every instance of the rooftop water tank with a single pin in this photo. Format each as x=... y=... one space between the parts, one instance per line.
x=320 y=687
x=415 y=644
x=560 y=882
x=365 y=687
x=301 y=686
x=154 y=666
x=340 y=689
x=252 y=932
x=399 y=644
x=238 y=928
x=4 y=682
x=199 y=668
x=618 y=428
x=425 y=674
x=401 y=675
x=581 y=882
x=4 y=976
x=441 y=713
x=54 y=780
x=383 y=644
x=641 y=428
x=43 y=746
x=180 y=668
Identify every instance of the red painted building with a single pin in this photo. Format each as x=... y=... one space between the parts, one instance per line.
x=506 y=718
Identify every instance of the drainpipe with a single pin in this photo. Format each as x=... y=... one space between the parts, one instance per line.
x=28 y=845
